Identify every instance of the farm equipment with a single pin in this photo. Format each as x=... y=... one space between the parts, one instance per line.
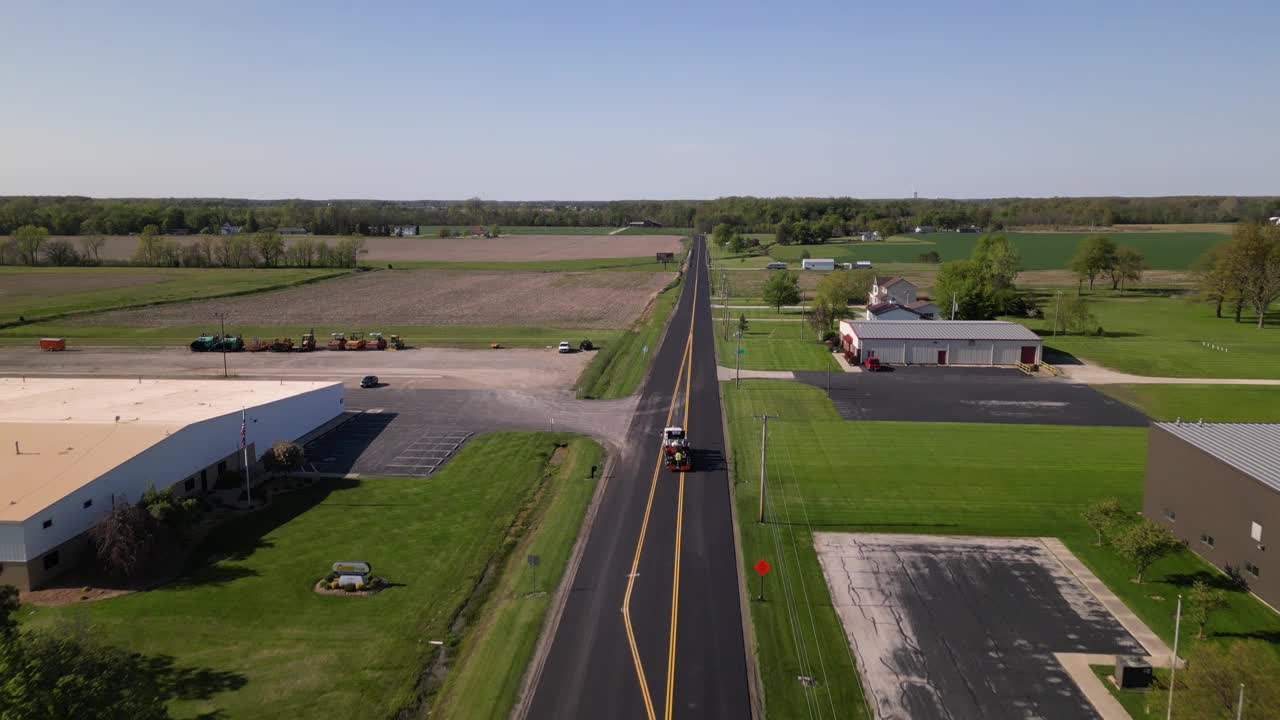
x=217 y=343
x=257 y=345
x=675 y=450
x=357 y=341
x=376 y=341
x=337 y=341
x=53 y=344
x=281 y=345
x=396 y=343
x=586 y=345
x=308 y=342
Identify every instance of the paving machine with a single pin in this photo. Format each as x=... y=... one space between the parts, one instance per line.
x=675 y=450
x=357 y=341
x=308 y=342
x=376 y=341
x=281 y=345
x=337 y=341
x=396 y=343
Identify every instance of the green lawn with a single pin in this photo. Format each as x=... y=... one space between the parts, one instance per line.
x=933 y=478
x=1140 y=704
x=1040 y=251
x=248 y=607
x=1170 y=336
x=773 y=346
x=463 y=336
x=632 y=264
x=485 y=681
x=45 y=292
x=1213 y=403
x=617 y=368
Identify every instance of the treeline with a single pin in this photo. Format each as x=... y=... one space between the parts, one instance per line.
x=1243 y=272
x=87 y=216
x=31 y=245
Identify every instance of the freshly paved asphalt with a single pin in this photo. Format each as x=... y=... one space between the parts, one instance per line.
x=590 y=671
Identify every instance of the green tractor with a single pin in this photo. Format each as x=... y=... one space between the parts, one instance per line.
x=229 y=344
x=204 y=343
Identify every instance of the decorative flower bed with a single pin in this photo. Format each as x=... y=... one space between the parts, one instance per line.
x=328 y=585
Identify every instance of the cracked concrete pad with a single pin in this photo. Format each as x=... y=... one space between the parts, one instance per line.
x=961 y=627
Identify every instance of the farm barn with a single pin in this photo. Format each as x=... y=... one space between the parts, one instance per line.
x=941 y=342
x=82 y=444
x=1217 y=487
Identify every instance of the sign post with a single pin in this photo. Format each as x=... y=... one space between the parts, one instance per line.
x=762 y=568
x=534 y=562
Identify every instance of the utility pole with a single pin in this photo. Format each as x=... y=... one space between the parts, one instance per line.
x=737 y=361
x=1173 y=664
x=222 y=318
x=764 y=439
x=1057 y=309
x=953 y=306
x=1239 y=702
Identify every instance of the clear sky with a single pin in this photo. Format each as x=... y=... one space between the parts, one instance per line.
x=651 y=99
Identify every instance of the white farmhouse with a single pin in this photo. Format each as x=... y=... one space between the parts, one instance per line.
x=892 y=289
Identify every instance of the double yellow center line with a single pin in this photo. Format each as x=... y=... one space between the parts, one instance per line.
x=685 y=374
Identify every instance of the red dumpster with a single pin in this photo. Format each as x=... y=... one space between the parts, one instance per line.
x=53 y=344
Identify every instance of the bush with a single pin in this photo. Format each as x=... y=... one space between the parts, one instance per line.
x=830 y=336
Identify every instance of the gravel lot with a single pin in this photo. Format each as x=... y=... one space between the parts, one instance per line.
x=426 y=297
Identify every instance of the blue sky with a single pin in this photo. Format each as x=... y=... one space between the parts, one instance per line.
x=603 y=100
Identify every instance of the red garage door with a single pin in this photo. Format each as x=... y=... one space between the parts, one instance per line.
x=1029 y=354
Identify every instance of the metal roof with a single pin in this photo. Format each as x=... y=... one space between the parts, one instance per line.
x=1251 y=448
x=940 y=330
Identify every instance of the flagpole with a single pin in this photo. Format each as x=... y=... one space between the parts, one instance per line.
x=244 y=445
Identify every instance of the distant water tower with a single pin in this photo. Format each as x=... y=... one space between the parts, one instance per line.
x=915 y=195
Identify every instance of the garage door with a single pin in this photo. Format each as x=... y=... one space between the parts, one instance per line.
x=888 y=352
x=924 y=354
x=979 y=353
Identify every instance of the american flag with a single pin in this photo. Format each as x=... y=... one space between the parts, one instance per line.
x=242 y=428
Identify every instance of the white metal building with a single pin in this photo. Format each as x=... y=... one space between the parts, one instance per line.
x=78 y=444
x=818 y=264
x=941 y=342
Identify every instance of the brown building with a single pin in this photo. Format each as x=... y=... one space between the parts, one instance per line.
x=1217 y=487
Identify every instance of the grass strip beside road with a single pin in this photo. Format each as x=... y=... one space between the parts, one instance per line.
x=492 y=661
x=247 y=606
x=772 y=346
x=618 y=368
x=933 y=478
x=1212 y=403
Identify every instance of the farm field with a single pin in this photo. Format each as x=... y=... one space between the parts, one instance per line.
x=773 y=346
x=423 y=297
x=44 y=292
x=620 y=365
x=935 y=478
x=635 y=264
x=247 y=607
x=509 y=247
x=1163 y=335
x=1212 y=403
x=1040 y=250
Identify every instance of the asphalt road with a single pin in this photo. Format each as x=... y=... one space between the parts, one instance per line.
x=685 y=562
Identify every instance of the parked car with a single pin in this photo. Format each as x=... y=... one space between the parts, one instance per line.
x=565 y=347
x=369 y=381
x=776 y=266
x=872 y=364
x=586 y=346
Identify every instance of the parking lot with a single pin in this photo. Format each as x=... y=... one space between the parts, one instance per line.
x=965 y=628
x=954 y=394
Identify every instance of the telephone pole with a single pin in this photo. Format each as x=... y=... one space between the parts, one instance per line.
x=1057 y=310
x=764 y=439
x=222 y=341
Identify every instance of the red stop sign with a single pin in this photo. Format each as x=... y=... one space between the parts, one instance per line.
x=762 y=567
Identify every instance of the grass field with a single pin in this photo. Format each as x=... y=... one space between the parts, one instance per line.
x=35 y=293
x=618 y=368
x=935 y=478
x=1040 y=250
x=773 y=346
x=248 y=608
x=1164 y=336
x=484 y=682
x=1213 y=403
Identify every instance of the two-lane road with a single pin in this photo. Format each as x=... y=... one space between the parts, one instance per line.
x=652 y=626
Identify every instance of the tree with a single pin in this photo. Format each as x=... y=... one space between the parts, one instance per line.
x=841 y=287
x=1104 y=516
x=8 y=608
x=150 y=250
x=1127 y=266
x=270 y=246
x=284 y=457
x=251 y=223
x=784 y=233
x=1095 y=256
x=961 y=281
x=91 y=246
x=1144 y=542
x=494 y=231
x=1214 y=281
x=886 y=227
x=443 y=232
x=822 y=315
x=1213 y=678
x=930 y=257
x=805 y=254
x=782 y=288
x=29 y=239
x=61 y=253
x=1204 y=599
x=998 y=261
x=1071 y=313
x=742 y=322
x=123 y=537
x=173 y=516
x=735 y=243
x=1254 y=255
x=721 y=234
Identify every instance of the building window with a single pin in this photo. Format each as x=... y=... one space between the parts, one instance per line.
x=88 y=503
x=1170 y=515
x=1255 y=532
x=51 y=560
x=1207 y=539
x=1251 y=569
x=190 y=484
x=47 y=524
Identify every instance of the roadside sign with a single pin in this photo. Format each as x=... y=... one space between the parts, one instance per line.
x=352 y=567
x=763 y=567
x=644 y=350
x=535 y=561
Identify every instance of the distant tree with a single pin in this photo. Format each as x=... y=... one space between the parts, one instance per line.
x=494 y=231
x=348 y=251
x=742 y=322
x=841 y=287
x=961 y=282
x=1144 y=542
x=1104 y=516
x=91 y=246
x=1127 y=266
x=60 y=252
x=269 y=245
x=886 y=227
x=208 y=247
x=805 y=255
x=1070 y=314
x=1095 y=255
x=782 y=288
x=784 y=233
x=1213 y=678
x=735 y=242
x=930 y=257
x=284 y=457
x=998 y=261
x=1253 y=254
x=150 y=251
x=1204 y=599
x=29 y=239
x=443 y=232
x=823 y=314
x=251 y=223
x=123 y=538
x=721 y=234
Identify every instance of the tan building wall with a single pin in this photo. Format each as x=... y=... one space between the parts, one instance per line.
x=1211 y=501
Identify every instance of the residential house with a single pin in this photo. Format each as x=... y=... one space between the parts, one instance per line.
x=291 y=231
x=229 y=229
x=644 y=224
x=870 y=236
x=892 y=290
x=403 y=230
x=926 y=229
x=890 y=311
x=925 y=308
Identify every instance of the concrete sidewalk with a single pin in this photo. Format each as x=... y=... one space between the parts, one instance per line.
x=727 y=373
x=1091 y=374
